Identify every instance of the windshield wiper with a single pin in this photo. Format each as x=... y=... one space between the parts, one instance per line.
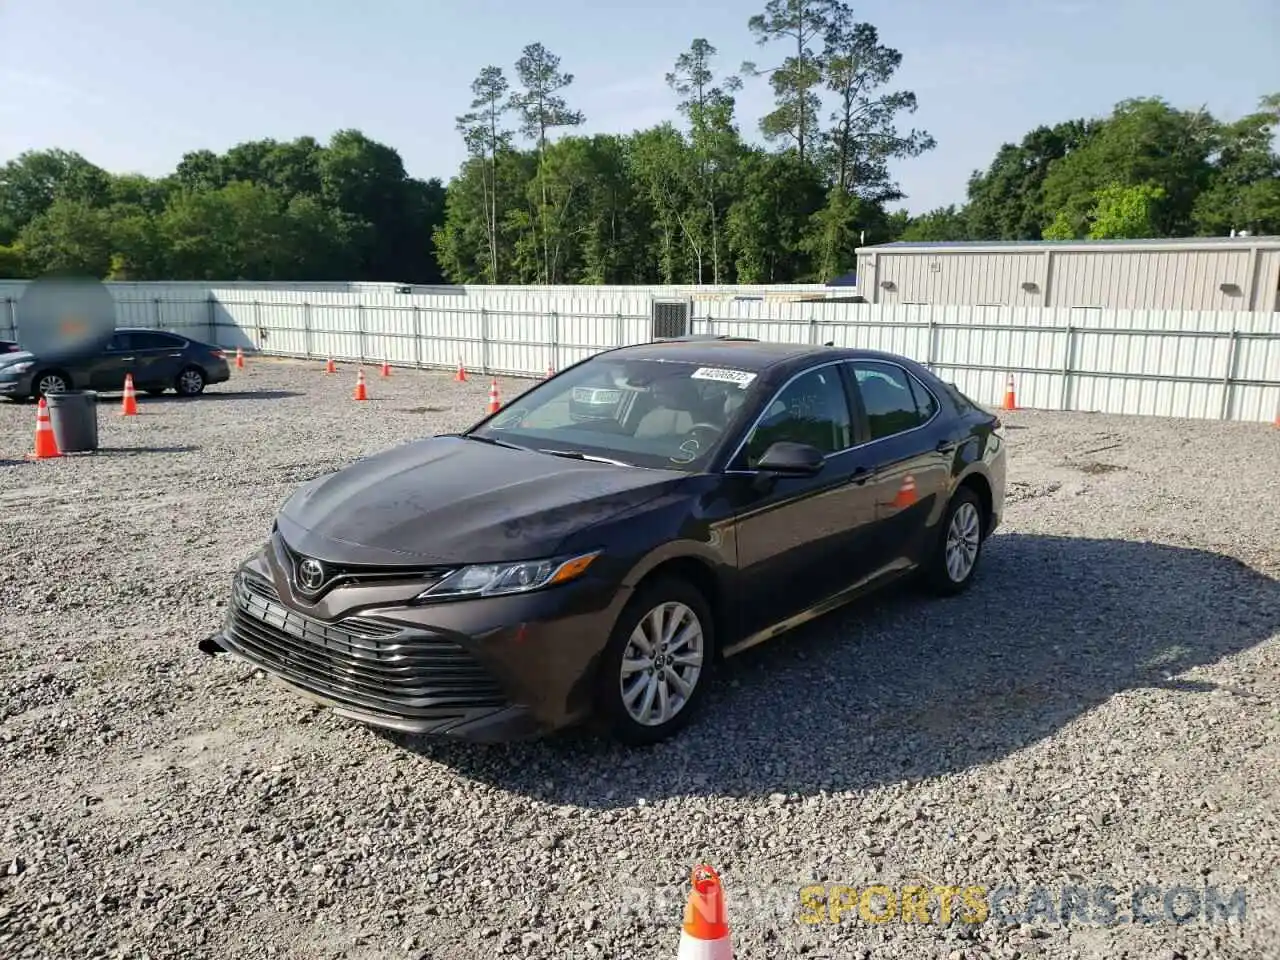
x=579 y=455
x=489 y=440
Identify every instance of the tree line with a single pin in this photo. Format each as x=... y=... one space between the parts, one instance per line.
x=690 y=200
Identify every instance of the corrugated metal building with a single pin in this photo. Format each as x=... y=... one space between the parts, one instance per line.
x=1215 y=273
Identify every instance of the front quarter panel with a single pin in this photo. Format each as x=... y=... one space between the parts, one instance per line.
x=693 y=521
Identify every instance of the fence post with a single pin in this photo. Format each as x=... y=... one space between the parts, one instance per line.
x=1228 y=387
x=555 y=341
x=257 y=325
x=930 y=350
x=620 y=331
x=212 y=301
x=307 y=345
x=813 y=330
x=157 y=318
x=360 y=327
x=484 y=341
x=1067 y=356
x=417 y=337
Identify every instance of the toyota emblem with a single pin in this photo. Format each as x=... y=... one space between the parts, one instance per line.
x=310 y=574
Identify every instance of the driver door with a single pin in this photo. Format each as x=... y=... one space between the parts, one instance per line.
x=802 y=540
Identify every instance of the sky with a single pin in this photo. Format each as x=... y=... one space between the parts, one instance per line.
x=134 y=84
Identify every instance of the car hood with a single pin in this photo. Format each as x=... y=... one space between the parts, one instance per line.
x=446 y=500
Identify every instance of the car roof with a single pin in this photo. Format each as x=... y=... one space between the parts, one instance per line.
x=743 y=354
x=752 y=355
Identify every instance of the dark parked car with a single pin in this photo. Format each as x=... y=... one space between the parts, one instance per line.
x=9 y=346
x=159 y=361
x=553 y=564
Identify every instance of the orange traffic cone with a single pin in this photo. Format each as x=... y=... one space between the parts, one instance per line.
x=461 y=375
x=1010 y=403
x=129 y=406
x=494 y=403
x=239 y=358
x=906 y=493
x=361 y=392
x=705 y=934
x=330 y=366
x=386 y=368
x=46 y=442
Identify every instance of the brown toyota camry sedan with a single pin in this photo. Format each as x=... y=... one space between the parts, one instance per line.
x=592 y=550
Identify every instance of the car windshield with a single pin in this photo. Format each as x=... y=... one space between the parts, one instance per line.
x=667 y=414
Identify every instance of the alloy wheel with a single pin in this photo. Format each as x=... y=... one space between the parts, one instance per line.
x=963 y=540
x=51 y=383
x=662 y=663
x=190 y=381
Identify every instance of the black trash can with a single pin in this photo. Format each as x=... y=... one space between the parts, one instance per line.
x=73 y=414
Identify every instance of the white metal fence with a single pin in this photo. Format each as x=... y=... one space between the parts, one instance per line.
x=1214 y=365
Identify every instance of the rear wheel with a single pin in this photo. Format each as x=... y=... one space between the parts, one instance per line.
x=190 y=382
x=655 y=669
x=955 y=557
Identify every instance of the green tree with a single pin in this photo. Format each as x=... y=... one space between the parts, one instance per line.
x=1243 y=192
x=796 y=25
x=714 y=141
x=864 y=137
x=542 y=109
x=485 y=136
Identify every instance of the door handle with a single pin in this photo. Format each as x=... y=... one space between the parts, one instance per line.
x=175 y=354
x=947 y=446
x=128 y=359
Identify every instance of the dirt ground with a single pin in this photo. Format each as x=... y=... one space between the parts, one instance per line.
x=1100 y=711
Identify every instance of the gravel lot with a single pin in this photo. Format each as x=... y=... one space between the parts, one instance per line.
x=1101 y=708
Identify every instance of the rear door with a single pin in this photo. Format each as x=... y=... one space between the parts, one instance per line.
x=912 y=451
x=158 y=357
x=801 y=539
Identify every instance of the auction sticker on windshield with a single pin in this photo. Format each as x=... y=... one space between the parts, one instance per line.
x=742 y=378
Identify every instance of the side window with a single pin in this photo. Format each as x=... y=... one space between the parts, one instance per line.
x=120 y=343
x=812 y=409
x=155 y=341
x=925 y=401
x=890 y=398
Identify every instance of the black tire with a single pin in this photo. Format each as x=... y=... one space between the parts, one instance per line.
x=38 y=381
x=612 y=712
x=937 y=575
x=190 y=382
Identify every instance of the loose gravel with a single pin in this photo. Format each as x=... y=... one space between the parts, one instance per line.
x=1100 y=709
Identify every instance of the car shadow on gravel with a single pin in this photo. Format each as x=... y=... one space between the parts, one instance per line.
x=903 y=686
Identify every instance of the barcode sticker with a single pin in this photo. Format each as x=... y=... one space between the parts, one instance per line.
x=742 y=378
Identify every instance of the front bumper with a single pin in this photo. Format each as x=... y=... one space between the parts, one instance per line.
x=15 y=387
x=489 y=670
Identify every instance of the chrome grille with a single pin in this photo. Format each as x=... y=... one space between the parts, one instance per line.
x=360 y=661
x=356 y=575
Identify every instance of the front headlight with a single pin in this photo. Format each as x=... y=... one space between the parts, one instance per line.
x=22 y=367
x=500 y=579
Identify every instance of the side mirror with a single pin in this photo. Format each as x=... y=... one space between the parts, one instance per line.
x=790 y=459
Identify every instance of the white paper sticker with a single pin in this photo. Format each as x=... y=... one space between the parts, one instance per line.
x=742 y=378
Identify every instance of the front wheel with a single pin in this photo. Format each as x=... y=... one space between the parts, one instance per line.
x=190 y=382
x=50 y=381
x=655 y=669
x=959 y=548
